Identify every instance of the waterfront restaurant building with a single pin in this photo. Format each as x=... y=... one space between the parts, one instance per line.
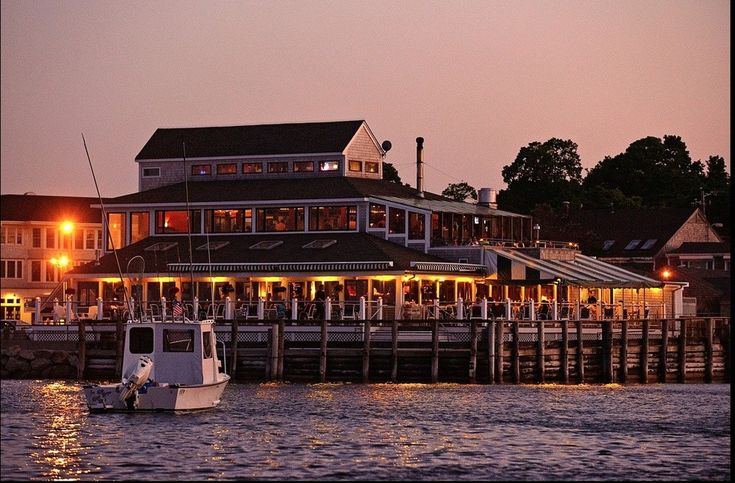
x=275 y=211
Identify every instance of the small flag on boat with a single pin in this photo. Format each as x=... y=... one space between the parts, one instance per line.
x=178 y=308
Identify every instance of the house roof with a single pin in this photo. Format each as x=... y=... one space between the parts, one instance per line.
x=311 y=188
x=50 y=208
x=253 y=140
x=237 y=253
x=702 y=247
x=612 y=234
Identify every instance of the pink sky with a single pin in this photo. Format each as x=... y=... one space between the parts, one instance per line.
x=477 y=79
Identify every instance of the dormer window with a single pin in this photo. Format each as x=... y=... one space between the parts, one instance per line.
x=328 y=165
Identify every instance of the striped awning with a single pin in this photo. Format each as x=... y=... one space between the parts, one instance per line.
x=281 y=267
x=448 y=267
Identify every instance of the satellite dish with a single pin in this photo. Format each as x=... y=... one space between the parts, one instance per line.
x=386 y=145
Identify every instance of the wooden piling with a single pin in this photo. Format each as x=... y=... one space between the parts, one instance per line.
x=540 y=354
x=491 y=352
x=500 y=327
x=366 y=352
x=473 y=352
x=624 y=351
x=682 y=352
x=323 y=352
x=564 y=352
x=394 y=351
x=664 y=350
x=233 y=343
x=580 y=354
x=607 y=353
x=281 y=348
x=644 y=351
x=82 y=351
x=708 y=352
x=273 y=375
x=515 y=356
x=435 y=351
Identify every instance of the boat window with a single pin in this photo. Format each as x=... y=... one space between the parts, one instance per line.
x=141 y=340
x=207 y=340
x=177 y=340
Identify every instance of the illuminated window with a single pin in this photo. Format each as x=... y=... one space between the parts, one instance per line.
x=252 y=168
x=175 y=221
x=278 y=167
x=201 y=170
x=50 y=272
x=229 y=168
x=139 y=226
x=280 y=219
x=371 y=167
x=325 y=218
x=303 y=166
x=227 y=221
x=79 y=239
x=116 y=226
x=377 y=215
x=355 y=166
x=328 y=165
x=415 y=226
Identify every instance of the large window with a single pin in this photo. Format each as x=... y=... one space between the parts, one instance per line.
x=79 y=239
x=201 y=170
x=141 y=340
x=397 y=221
x=90 y=238
x=50 y=238
x=280 y=219
x=35 y=270
x=11 y=235
x=175 y=221
x=116 y=225
x=228 y=168
x=139 y=226
x=415 y=226
x=228 y=221
x=332 y=218
x=303 y=166
x=355 y=165
x=251 y=168
x=11 y=269
x=50 y=272
x=377 y=215
x=328 y=165
x=278 y=167
x=178 y=340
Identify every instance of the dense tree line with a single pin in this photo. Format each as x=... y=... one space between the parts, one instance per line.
x=651 y=173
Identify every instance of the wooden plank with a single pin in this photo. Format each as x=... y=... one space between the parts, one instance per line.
x=491 y=351
x=664 y=350
x=515 y=354
x=323 y=352
x=473 y=352
x=682 y=353
x=708 y=351
x=564 y=352
x=646 y=329
x=435 y=351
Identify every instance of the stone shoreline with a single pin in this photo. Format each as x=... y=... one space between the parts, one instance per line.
x=19 y=363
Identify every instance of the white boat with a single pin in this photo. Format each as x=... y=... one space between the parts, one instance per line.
x=167 y=366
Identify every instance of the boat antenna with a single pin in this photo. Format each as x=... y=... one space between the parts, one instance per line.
x=109 y=234
x=188 y=225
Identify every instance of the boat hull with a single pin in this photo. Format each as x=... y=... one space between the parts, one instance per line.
x=173 y=397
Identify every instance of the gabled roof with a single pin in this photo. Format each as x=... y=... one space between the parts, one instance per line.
x=308 y=188
x=50 y=208
x=349 y=252
x=253 y=140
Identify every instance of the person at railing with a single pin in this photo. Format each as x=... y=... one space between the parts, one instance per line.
x=544 y=309
x=475 y=310
x=337 y=307
x=319 y=297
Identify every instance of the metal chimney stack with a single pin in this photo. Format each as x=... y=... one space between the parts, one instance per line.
x=420 y=165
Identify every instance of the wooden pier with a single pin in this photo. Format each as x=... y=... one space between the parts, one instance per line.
x=465 y=351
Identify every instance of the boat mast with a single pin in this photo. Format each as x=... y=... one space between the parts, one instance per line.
x=188 y=228
x=106 y=222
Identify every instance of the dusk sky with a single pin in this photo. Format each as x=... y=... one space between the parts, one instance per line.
x=477 y=79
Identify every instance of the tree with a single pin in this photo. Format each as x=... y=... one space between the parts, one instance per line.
x=460 y=191
x=716 y=193
x=390 y=173
x=549 y=172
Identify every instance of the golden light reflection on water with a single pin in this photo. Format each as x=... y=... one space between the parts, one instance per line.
x=59 y=449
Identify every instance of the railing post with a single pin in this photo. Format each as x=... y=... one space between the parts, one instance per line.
x=294 y=308
x=229 y=306
x=578 y=310
x=436 y=308
x=460 y=309
x=38 y=311
x=555 y=310
x=531 y=310
x=195 y=308
x=483 y=309
x=67 y=311
x=328 y=308
x=380 y=308
x=362 y=315
x=261 y=308
x=100 y=306
x=55 y=311
x=600 y=313
x=508 y=309
x=163 y=309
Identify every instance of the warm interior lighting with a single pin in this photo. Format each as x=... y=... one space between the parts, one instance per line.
x=67 y=227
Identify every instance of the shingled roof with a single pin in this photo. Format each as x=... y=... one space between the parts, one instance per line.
x=50 y=208
x=348 y=248
x=254 y=140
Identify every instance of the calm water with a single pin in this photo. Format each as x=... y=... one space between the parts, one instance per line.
x=377 y=431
